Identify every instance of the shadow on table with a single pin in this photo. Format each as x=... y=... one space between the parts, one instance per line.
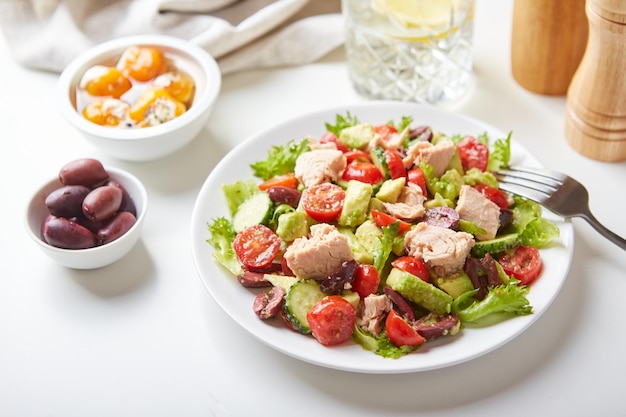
x=129 y=274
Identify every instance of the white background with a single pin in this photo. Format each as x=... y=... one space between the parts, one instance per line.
x=144 y=338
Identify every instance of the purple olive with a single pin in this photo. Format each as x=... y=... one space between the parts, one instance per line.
x=88 y=172
x=102 y=203
x=67 y=234
x=67 y=201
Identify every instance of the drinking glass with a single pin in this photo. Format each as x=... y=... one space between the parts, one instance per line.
x=410 y=50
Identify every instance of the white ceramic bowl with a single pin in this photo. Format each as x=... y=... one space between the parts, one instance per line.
x=156 y=141
x=98 y=256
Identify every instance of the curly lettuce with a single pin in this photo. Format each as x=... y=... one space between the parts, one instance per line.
x=222 y=238
x=281 y=159
x=507 y=298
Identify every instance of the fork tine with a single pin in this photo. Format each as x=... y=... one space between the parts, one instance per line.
x=538 y=176
x=524 y=191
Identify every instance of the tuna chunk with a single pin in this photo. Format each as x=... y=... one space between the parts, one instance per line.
x=438 y=155
x=319 y=166
x=442 y=249
x=410 y=204
x=318 y=256
x=473 y=206
x=372 y=311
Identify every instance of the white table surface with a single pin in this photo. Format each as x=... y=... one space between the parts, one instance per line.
x=144 y=338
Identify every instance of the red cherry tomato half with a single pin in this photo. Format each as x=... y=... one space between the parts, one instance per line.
x=493 y=194
x=357 y=155
x=385 y=131
x=523 y=264
x=332 y=320
x=323 y=202
x=395 y=164
x=366 y=281
x=256 y=246
x=383 y=219
x=400 y=331
x=412 y=265
x=362 y=171
x=286 y=180
x=416 y=176
x=330 y=137
x=473 y=154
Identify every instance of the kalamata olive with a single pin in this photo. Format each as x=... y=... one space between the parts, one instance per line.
x=85 y=222
x=432 y=326
x=116 y=227
x=252 y=279
x=284 y=195
x=67 y=234
x=506 y=218
x=88 y=172
x=400 y=304
x=127 y=202
x=67 y=201
x=102 y=203
x=443 y=217
x=341 y=279
x=267 y=304
x=421 y=133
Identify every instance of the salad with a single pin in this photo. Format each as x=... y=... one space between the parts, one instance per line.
x=388 y=235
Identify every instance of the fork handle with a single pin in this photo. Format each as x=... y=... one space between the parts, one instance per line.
x=600 y=228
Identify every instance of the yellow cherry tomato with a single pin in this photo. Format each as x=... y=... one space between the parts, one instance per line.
x=155 y=107
x=107 y=112
x=142 y=63
x=103 y=81
x=178 y=84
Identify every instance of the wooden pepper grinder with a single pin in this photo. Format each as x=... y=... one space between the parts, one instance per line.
x=547 y=43
x=595 y=120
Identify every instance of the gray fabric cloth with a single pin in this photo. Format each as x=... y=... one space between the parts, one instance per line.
x=240 y=34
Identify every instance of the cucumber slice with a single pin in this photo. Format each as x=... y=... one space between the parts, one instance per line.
x=256 y=209
x=300 y=298
x=380 y=161
x=496 y=245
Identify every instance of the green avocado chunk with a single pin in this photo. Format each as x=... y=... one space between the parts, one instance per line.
x=356 y=204
x=420 y=292
x=357 y=137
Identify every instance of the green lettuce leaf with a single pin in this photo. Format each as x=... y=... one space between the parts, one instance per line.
x=281 y=159
x=380 y=345
x=222 y=238
x=507 y=298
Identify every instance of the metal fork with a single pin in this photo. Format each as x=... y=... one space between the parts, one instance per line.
x=557 y=192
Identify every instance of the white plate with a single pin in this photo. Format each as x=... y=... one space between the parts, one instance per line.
x=237 y=300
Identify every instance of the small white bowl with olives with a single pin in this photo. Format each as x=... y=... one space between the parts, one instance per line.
x=88 y=216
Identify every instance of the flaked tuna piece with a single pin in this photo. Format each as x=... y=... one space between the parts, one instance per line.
x=318 y=256
x=444 y=250
x=319 y=166
x=438 y=155
x=395 y=140
x=372 y=311
x=410 y=204
x=473 y=206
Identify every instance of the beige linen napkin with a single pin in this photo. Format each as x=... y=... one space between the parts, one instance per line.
x=241 y=34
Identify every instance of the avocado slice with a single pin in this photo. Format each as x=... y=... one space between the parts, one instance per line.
x=419 y=291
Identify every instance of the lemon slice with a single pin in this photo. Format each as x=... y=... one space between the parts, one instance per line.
x=417 y=13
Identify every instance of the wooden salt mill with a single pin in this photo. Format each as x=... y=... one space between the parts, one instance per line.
x=547 y=43
x=595 y=120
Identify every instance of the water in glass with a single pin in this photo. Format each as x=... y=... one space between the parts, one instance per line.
x=394 y=53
